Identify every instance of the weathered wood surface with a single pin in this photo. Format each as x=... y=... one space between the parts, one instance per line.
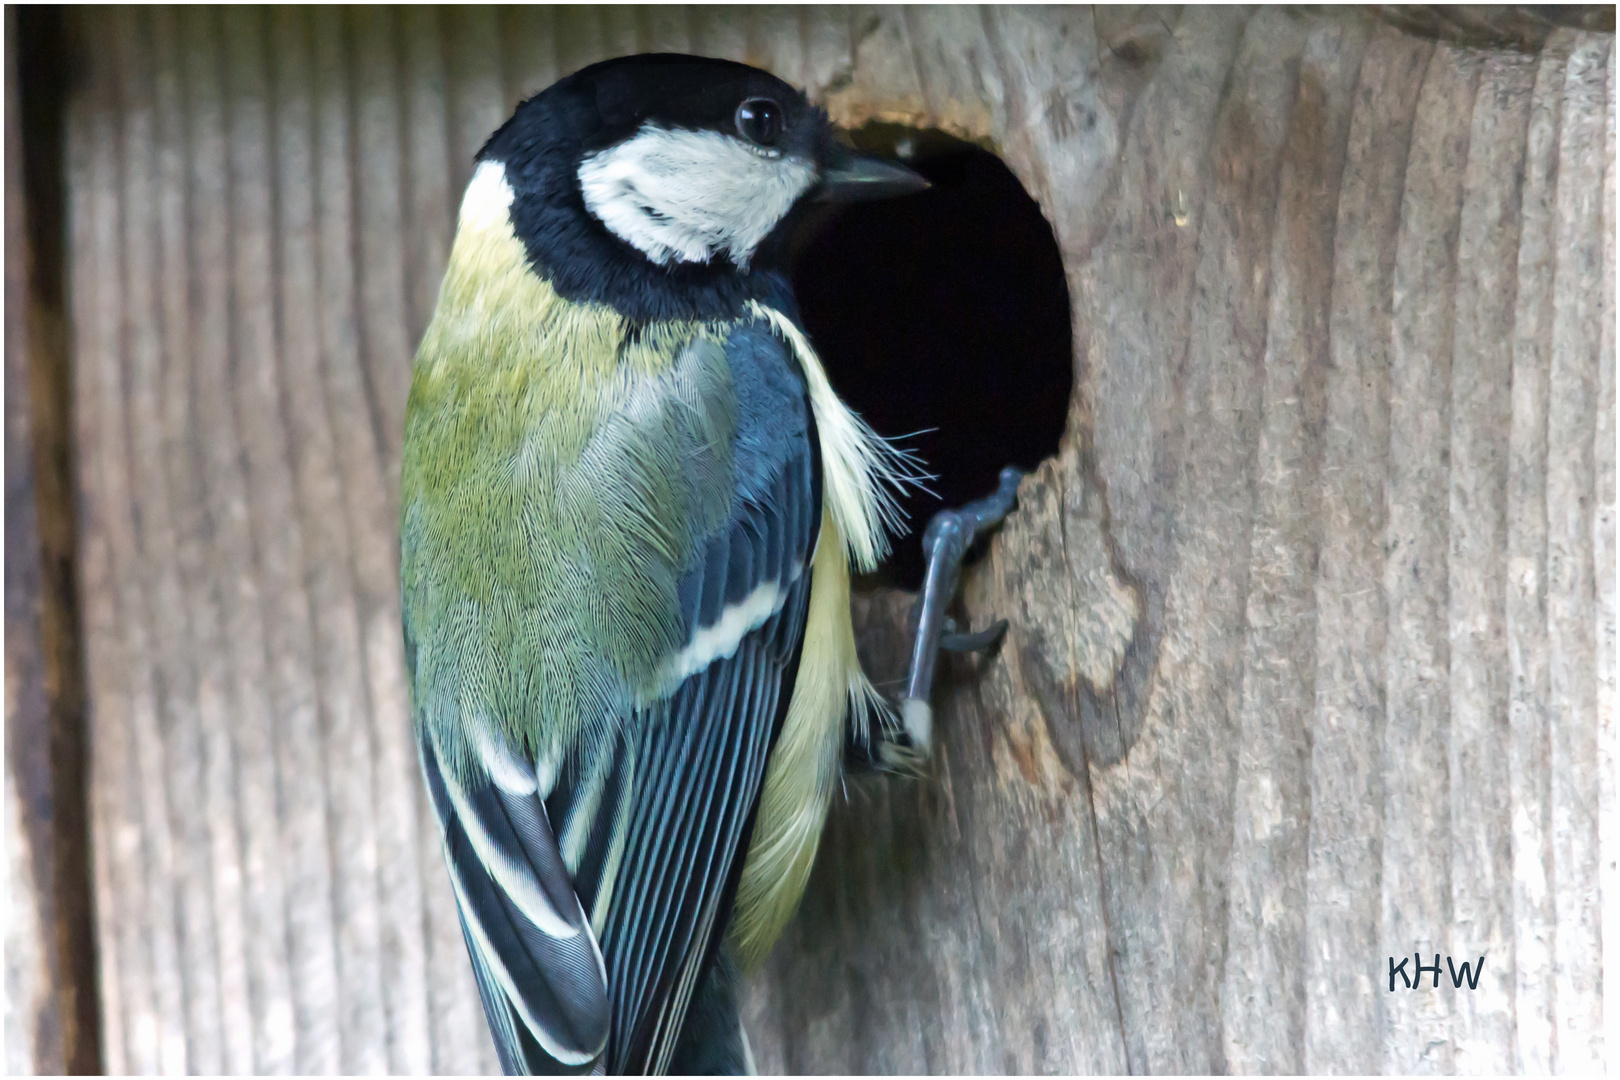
x=32 y=967
x=1312 y=646
x=51 y=1023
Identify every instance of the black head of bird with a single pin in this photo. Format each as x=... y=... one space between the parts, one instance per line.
x=690 y=165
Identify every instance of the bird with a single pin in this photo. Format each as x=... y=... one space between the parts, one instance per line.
x=631 y=504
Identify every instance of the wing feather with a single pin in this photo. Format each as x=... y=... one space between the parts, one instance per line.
x=537 y=963
x=680 y=831
x=655 y=944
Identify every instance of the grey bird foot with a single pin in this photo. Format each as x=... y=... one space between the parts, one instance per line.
x=946 y=542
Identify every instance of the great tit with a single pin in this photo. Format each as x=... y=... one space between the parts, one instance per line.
x=630 y=505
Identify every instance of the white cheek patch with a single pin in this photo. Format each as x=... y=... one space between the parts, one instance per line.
x=689 y=195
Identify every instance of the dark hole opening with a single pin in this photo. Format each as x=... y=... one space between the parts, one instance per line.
x=943 y=316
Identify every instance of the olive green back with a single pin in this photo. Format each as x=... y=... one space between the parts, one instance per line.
x=559 y=468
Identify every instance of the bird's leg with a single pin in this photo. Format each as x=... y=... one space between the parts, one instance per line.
x=946 y=542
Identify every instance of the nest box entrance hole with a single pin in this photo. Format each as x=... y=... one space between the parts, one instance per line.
x=943 y=319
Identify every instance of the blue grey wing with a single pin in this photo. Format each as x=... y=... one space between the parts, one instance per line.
x=702 y=763
x=539 y=971
x=656 y=816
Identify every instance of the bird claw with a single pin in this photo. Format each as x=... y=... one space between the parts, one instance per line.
x=963 y=642
x=945 y=543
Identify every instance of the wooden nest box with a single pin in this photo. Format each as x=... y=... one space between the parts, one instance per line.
x=1311 y=665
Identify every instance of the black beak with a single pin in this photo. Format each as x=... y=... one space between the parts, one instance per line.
x=852 y=177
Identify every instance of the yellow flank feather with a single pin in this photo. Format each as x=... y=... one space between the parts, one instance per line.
x=860 y=471
x=859 y=474
x=804 y=765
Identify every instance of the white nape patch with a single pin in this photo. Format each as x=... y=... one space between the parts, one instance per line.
x=721 y=638
x=686 y=196
x=861 y=470
x=488 y=200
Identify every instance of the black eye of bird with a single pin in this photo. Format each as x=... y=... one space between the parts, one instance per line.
x=759 y=120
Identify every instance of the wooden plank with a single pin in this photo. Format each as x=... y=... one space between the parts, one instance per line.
x=432 y=204
x=1526 y=602
x=170 y=754
x=663 y=28
x=529 y=38
x=1132 y=310
x=355 y=451
x=1136 y=303
x=827 y=52
x=143 y=946
x=1603 y=526
x=477 y=97
x=1343 y=1005
x=1263 y=986
x=51 y=1015
x=195 y=618
x=1169 y=965
x=716 y=31
x=1481 y=410
x=1417 y=817
x=326 y=984
x=33 y=967
x=1577 y=311
x=385 y=352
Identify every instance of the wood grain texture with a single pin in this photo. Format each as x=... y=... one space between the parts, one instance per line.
x=33 y=964
x=52 y=1010
x=1312 y=616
